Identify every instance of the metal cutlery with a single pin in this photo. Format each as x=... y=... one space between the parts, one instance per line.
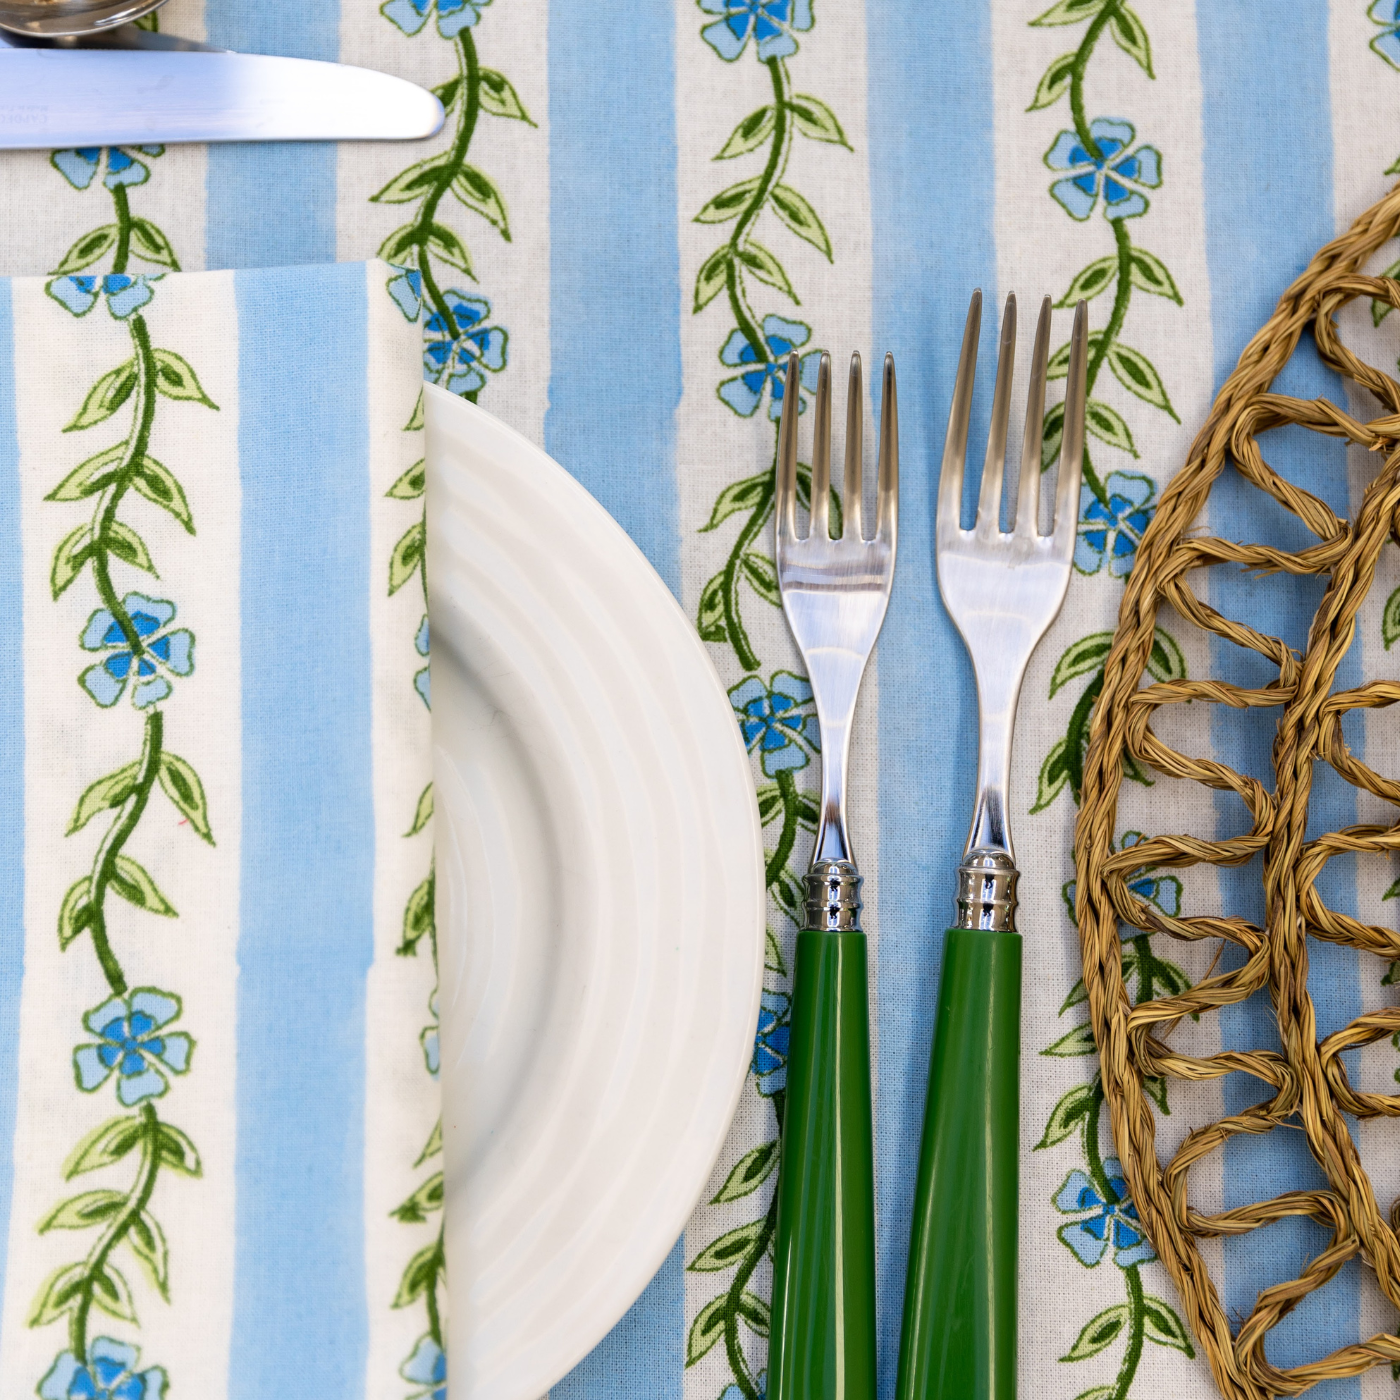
x=67 y=17
x=835 y=592
x=1003 y=590
x=130 y=87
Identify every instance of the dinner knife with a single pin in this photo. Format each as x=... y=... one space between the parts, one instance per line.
x=140 y=88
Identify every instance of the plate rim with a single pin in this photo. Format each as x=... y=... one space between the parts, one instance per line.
x=622 y=554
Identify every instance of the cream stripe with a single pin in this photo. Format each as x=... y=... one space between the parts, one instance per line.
x=1040 y=250
x=1362 y=148
x=70 y=743
x=402 y=1102
x=719 y=448
x=513 y=276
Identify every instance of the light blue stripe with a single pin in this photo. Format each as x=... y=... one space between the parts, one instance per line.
x=306 y=935
x=615 y=295
x=930 y=124
x=615 y=383
x=273 y=204
x=643 y=1357
x=1266 y=93
x=11 y=762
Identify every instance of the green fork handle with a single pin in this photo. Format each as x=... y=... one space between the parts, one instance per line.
x=959 y=1335
x=823 y=1332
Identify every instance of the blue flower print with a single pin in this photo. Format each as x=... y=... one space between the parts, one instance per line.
x=79 y=167
x=1113 y=173
x=457 y=364
x=164 y=650
x=744 y=392
x=1387 y=42
x=1111 y=533
x=110 y=1374
x=406 y=288
x=426 y=1369
x=770 y=23
x=124 y=293
x=770 y=1044
x=778 y=720
x=134 y=1045
x=1103 y=1222
x=1162 y=890
x=453 y=16
x=422 y=682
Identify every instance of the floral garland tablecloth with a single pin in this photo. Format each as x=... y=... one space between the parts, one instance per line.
x=635 y=212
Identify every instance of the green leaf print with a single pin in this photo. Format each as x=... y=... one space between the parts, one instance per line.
x=87 y=250
x=478 y=191
x=177 y=380
x=105 y=397
x=102 y=795
x=182 y=786
x=500 y=98
x=794 y=210
x=1102 y=1331
x=748 y=1173
x=750 y=134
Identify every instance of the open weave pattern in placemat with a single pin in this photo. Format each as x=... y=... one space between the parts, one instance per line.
x=1309 y=1082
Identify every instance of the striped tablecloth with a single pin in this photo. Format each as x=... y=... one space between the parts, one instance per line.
x=636 y=209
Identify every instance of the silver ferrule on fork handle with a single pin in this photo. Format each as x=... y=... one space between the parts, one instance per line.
x=987 y=890
x=833 y=896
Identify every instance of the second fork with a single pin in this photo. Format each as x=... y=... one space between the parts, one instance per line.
x=835 y=592
x=1003 y=589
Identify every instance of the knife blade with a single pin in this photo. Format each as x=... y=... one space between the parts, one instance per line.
x=57 y=97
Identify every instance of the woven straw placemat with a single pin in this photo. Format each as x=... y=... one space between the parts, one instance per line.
x=1306 y=1086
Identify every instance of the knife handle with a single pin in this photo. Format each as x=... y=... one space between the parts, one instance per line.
x=823 y=1332
x=959 y=1335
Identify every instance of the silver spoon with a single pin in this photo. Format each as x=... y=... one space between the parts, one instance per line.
x=53 y=19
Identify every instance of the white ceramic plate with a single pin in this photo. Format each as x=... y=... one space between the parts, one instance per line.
x=600 y=906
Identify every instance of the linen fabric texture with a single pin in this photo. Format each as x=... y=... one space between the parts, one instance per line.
x=632 y=216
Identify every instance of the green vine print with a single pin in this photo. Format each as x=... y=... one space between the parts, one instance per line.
x=1099 y=1213
x=1064 y=764
x=1099 y=163
x=1386 y=45
x=134 y=652
x=459 y=347
x=425 y=1275
x=773 y=707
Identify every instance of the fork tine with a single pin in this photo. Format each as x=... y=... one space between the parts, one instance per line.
x=1072 y=445
x=989 y=499
x=852 y=488
x=820 y=527
x=1028 y=493
x=950 y=479
x=887 y=483
x=785 y=504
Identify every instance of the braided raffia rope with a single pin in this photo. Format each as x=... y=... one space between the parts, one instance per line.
x=1308 y=1081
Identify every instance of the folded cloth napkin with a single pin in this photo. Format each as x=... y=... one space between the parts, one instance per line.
x=218 y=1098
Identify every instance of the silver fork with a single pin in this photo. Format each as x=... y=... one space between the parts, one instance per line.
x=835 y=592
x=1003 y=590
